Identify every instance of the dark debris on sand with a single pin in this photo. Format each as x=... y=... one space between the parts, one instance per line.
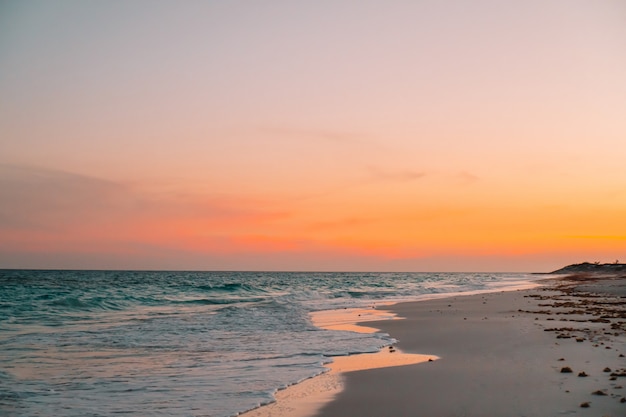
x=593 y=294
x=590 y=305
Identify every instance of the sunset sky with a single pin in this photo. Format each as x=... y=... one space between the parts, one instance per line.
x=312 y=135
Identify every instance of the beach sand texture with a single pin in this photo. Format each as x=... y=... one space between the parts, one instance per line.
x=554 y=350
x=502 y=354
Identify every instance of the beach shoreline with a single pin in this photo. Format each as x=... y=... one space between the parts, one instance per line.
x=502 y=353
x=307 y=397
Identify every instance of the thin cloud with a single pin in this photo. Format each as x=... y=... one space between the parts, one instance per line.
x=321 y=134
x=53 y=201
x=48 y=199
x=466 y=178
x=377 y=174
x=341 y=223
x=599 y=237
x=373 y=175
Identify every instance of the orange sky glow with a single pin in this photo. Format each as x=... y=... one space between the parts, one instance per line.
x=353 y=135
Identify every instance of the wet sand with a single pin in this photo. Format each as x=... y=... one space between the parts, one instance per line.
x=307 y=397
x=501 y=354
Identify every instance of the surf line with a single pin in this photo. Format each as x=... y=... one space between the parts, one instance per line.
x=306 y=398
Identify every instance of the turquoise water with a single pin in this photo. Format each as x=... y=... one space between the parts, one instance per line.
x=103 y=343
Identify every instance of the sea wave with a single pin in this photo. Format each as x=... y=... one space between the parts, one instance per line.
x=219 y=301
x=173 y=342
x=92 y=303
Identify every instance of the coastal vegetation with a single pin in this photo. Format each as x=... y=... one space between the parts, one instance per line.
x=595 y=267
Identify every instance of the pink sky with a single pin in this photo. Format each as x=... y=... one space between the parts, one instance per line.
x=351 y=135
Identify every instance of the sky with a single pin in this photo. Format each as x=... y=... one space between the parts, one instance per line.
x=312 y=135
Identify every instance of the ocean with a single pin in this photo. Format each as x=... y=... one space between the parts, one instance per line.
x=105 y=343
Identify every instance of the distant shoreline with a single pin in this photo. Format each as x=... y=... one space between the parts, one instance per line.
x=593 y=268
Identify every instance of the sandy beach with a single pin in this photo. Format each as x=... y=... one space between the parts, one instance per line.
x=554 y=350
